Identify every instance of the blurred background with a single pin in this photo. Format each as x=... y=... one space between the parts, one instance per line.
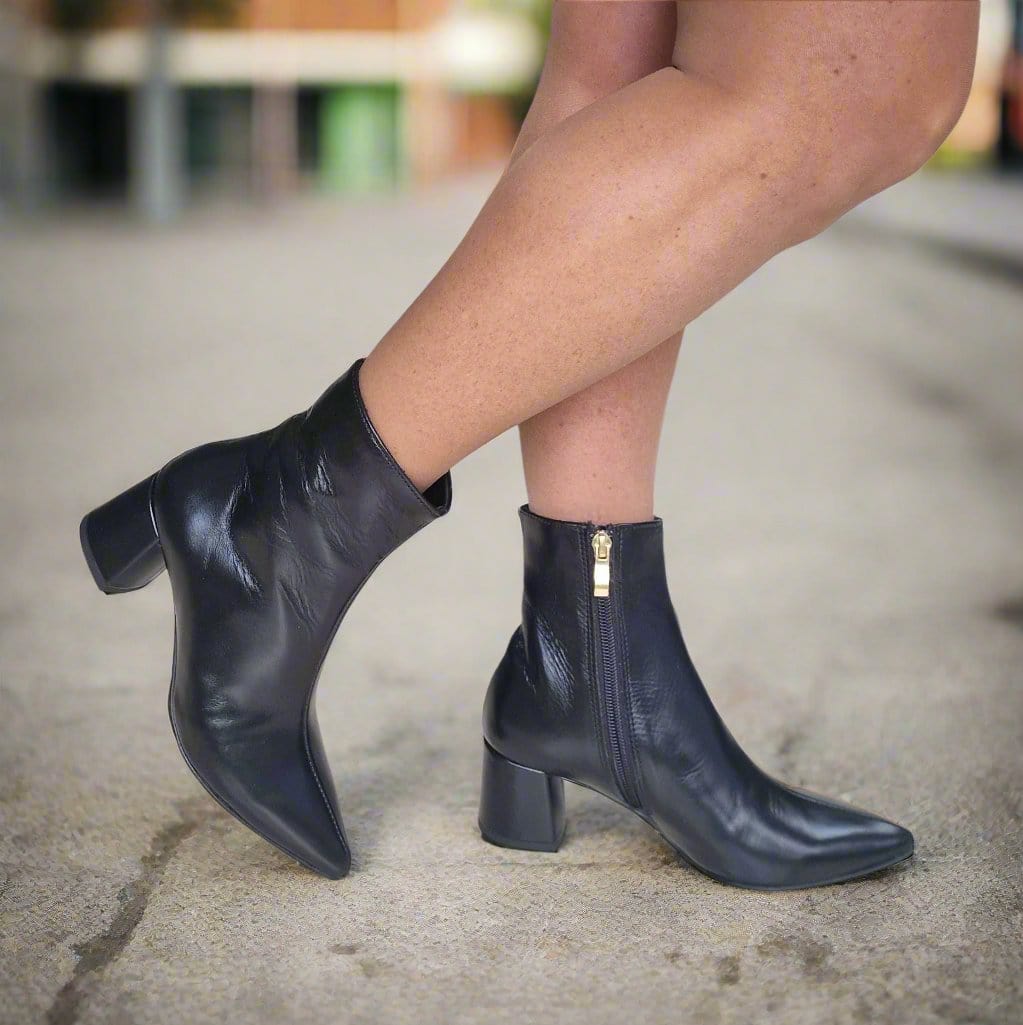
x=208 y=210
x=163 y=103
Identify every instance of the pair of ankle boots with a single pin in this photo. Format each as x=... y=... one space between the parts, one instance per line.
x=269 y=538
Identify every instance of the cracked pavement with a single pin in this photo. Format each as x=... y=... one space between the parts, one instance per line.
x=842 y=486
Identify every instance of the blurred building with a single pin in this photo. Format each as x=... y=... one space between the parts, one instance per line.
x=164 y=99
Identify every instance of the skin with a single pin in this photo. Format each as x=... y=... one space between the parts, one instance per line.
x=593 y=456
x=627 y=219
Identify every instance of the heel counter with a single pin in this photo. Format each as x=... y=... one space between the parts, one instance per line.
x=505 y=681
x=539 y=712
x=516 y=719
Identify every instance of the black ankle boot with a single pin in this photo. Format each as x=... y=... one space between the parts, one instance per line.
x=597 y=688
x=267 y=540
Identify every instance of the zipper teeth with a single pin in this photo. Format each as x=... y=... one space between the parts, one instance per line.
x=608 y=659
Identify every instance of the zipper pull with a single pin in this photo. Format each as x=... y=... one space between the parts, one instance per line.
x=601 y=563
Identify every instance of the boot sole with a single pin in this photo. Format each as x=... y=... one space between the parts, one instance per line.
x=512 y=816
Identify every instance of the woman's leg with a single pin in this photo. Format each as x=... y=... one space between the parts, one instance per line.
x=592 y=456
x=622 y=224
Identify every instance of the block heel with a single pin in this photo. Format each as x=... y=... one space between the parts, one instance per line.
x=120 y=542
x=520 y=808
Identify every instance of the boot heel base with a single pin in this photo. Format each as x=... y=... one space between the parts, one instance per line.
x=520 y=808
x=120 y=542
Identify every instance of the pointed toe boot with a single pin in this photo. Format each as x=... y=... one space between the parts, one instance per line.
x=267 y=540
x=597 y=688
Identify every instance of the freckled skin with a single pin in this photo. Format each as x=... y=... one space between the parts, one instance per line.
x=580 y=462
x=657 y=169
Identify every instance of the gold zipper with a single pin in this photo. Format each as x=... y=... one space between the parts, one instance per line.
x=601 y=563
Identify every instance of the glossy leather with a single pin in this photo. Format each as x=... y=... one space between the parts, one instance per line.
x=693 y=782
x=267 y=540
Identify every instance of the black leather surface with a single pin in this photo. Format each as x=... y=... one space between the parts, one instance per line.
x=267 y=540
x=695 y=784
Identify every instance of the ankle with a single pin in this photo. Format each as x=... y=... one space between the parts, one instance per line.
x=399 y=429
x=605 y=510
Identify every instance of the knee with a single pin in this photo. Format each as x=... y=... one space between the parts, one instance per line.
x=893 y=136
x=861 y=143
x=921 y=124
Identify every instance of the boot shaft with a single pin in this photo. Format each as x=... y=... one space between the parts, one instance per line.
x=317 y=501
x=597 y=622
x=561 y=562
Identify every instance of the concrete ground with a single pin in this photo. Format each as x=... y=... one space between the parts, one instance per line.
x=842 y=485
